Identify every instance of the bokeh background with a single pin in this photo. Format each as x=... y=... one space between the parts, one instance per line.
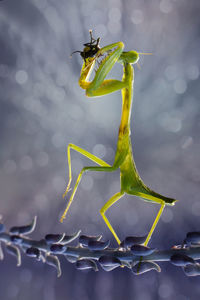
x=42 y=109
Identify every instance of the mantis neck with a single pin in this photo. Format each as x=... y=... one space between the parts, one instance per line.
x=127 y=94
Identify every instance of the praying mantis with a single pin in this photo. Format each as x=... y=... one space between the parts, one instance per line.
x=130 y=181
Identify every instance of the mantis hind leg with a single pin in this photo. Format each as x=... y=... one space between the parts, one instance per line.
x=155 y=222
x=108 y=204
x=154 y=199
x=149 y=195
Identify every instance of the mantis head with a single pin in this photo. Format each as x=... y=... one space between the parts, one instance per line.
x=130 y=57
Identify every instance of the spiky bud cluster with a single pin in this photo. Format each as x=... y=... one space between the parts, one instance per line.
x=91 y=251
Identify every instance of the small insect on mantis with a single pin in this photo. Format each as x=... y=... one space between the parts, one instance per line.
x=131 y=183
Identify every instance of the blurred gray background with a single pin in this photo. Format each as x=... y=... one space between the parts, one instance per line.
x=42 y=109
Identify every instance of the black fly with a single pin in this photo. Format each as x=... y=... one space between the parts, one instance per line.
x=90 y=49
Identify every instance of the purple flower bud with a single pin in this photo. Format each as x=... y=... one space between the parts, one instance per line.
x=86 y=264
x=57 y=248
x=181 y=260
x=140 y=250
x=109 y=263
x=84 y=239
x=54 y=238
x=145 y=266
x=33 y=252
x=98 y=245
x=131 y=240
x=24 y=229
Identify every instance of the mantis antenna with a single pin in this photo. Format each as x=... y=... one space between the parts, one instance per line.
x=130 y=181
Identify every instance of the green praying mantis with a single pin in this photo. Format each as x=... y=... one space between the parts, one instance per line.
x=130 y=181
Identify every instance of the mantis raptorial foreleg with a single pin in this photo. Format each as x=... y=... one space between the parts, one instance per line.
x=99 y=87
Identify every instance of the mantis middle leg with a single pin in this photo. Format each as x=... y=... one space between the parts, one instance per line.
x=84 y=153
x=108 y=204
x=104 y=167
